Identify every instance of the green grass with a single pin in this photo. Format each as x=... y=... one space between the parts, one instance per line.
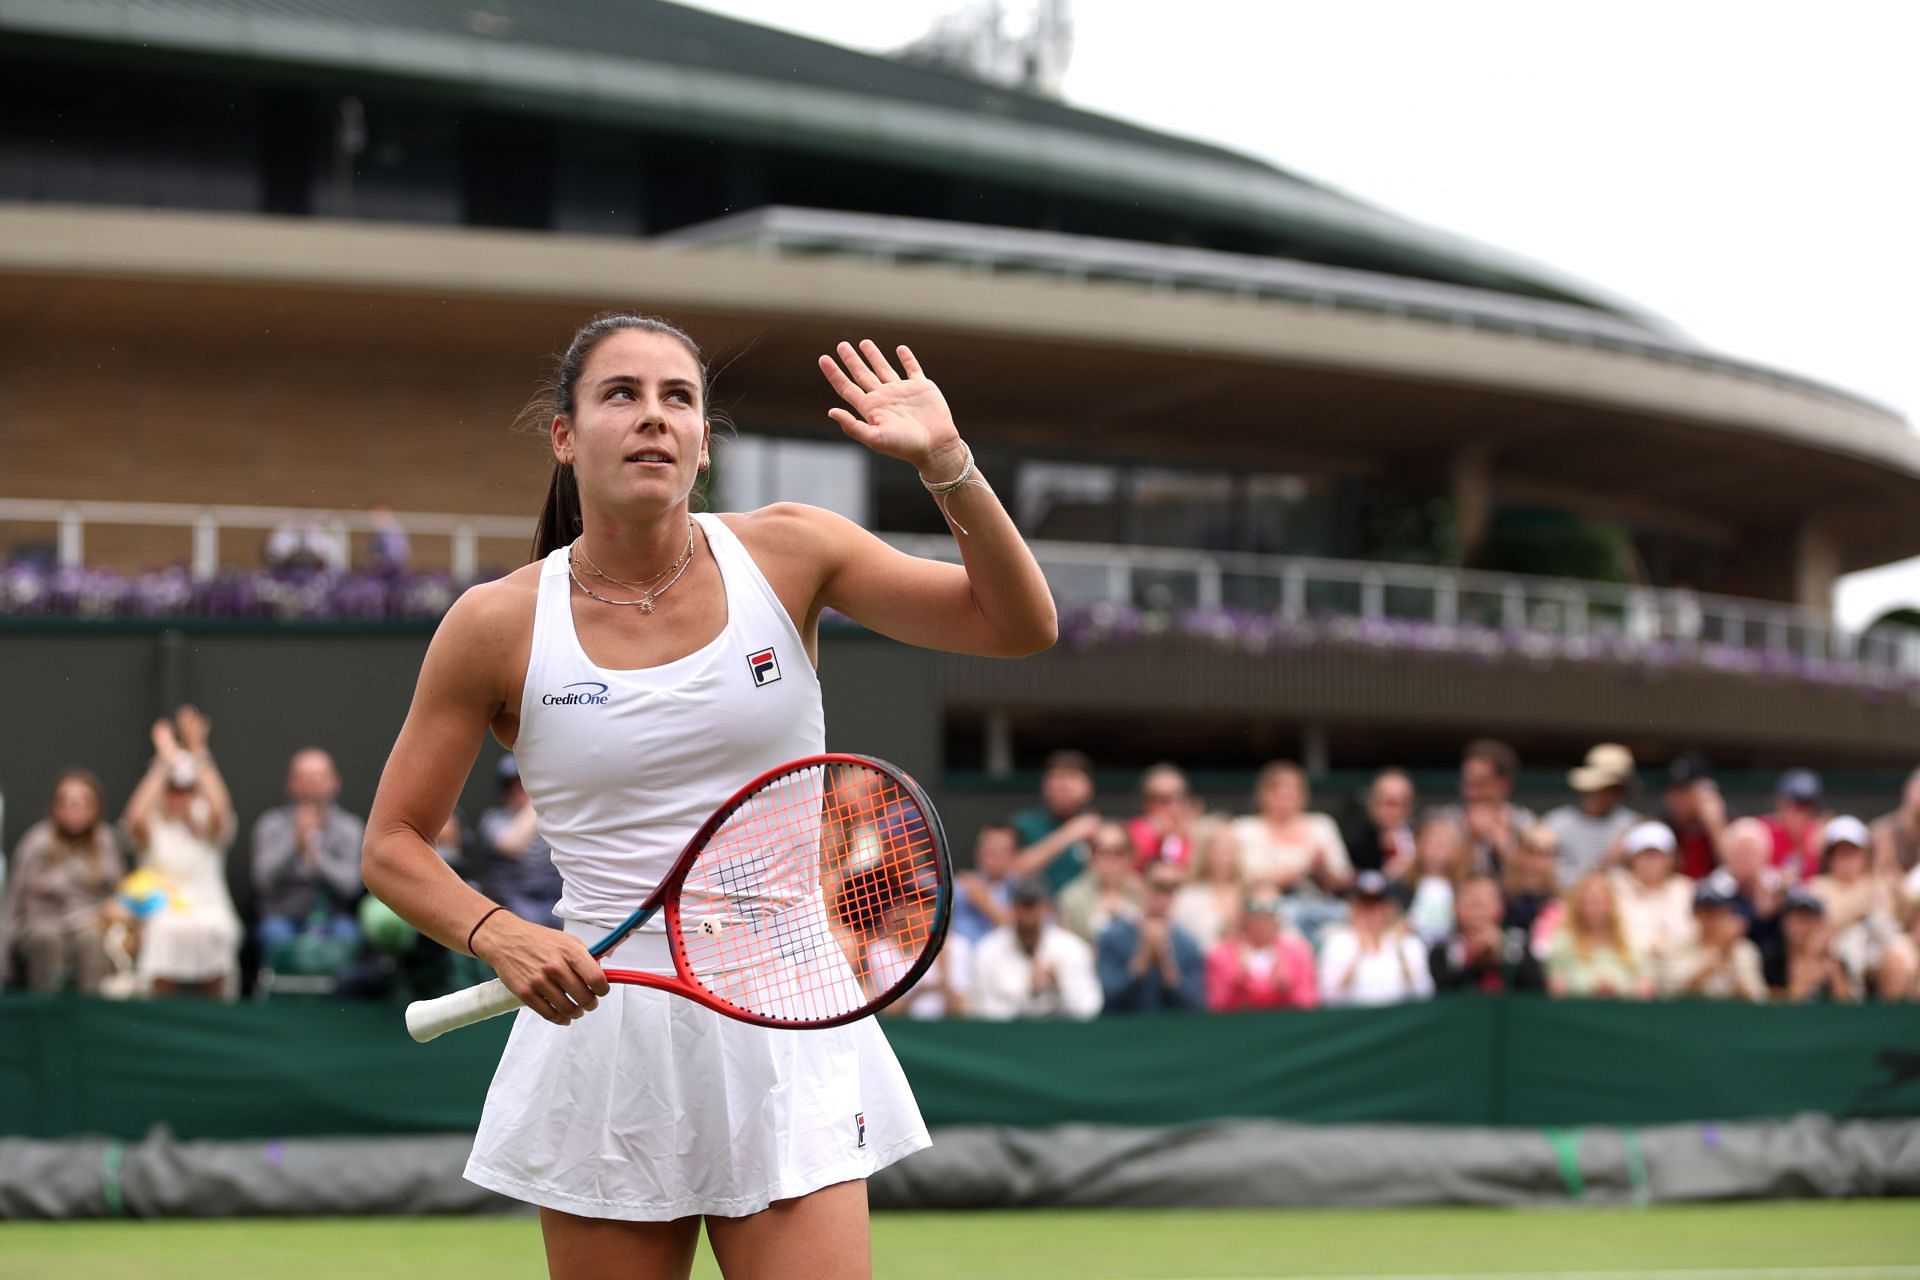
x=1802 y=1240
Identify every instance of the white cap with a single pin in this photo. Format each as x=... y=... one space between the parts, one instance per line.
x=1650 y=835
x=1846 y=830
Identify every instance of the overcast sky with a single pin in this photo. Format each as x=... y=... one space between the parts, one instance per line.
x=1746 y=170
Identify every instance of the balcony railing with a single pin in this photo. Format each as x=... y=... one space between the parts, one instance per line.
x=1155 y=579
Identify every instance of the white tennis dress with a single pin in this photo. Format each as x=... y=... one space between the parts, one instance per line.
x=652 y=1107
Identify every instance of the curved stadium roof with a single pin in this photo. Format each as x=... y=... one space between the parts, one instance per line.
x=676 y=69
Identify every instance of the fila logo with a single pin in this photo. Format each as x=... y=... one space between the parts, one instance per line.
x=765 y=667
x=860 y=1122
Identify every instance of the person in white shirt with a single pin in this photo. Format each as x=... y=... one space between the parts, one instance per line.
x=1033 y=968
x=1374 y=958
x=1655 y=901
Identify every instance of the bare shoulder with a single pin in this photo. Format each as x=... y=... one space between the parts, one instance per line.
x=789 y=524
x=490 y=620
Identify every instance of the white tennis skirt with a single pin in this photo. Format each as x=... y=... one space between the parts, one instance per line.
x=652 y=1107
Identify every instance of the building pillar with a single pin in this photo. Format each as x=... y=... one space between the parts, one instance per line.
x=1314 y=755
x=1816 y=565
x=1472 y=478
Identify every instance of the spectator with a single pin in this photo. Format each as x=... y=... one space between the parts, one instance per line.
x=64 y=872
x=304 y=546
x=388 y=549
x=941 y=990
x=306 y=868
x=1813 y=973
x=1585 y=832
x=1382 y=840
x=520 y=873
x=1166 y=828
x=1373 y=958
x=1285 y=848
x=1032 y=968
x=1721 y=963
x=1439 y=865
x=1696 y=813
x=1492 y=823
x=1747 y=854
x=1656 y=902
x=1795 y=824
x=455 y=846
x=1152 y=963
x=1530 y=879
x=982 y=893
x=1860 y=906
x=181 y=819
x=1263 y=966
x=1896 y=835
x=1483 y=953
x=1208 y=907
x=1108 y=890
x=1054 y=838
x=1589 y=955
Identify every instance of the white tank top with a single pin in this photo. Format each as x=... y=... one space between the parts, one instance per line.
x=623 y=766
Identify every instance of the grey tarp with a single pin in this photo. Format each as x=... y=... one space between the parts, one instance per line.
x=1232 y=1163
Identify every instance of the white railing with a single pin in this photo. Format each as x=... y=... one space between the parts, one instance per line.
x=1302 y=587
x=1295 y=587
x=72 y=518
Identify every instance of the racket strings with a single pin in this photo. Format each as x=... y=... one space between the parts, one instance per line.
x=816 y=898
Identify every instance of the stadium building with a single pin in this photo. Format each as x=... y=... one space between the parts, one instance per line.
x=1309 y=477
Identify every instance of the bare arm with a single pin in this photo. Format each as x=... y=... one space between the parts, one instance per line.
x=997 y=602
x=458 y=696
x=1037 y=856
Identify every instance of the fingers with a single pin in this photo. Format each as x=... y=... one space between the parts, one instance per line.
x=909 y=364
x=848 y=423
x=877 y=361
x=857 y=368
x=843 y=386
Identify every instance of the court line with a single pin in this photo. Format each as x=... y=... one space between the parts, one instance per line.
x=1864 y=1272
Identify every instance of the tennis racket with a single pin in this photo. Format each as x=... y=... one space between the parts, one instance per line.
x=818 y=894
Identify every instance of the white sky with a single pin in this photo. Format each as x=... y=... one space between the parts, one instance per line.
x=1747 y=170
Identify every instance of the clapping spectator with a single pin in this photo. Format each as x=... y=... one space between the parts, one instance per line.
x=1696 y=813
x=306 y=866
x=1152 y=963
x=1896 y=835
x=1166 y=829
x=1032 y=968
x=1813 y=972
x=1382 y=839
x=1208 y=906
x=1589 y=954
x=1284 y=847
x=1586 y=831
x=180 y=818
x=1108 y=890
x=1655 y=901
x=1264 y=965
x=1799 y=808
x=1530 y=879
x=982 y=893
x=1492 y=823
x=64 y=872
x=520 y=873
x=1746 y=853
x=1860 y=907
x=1721 y=963
x=1432 y=879
x=1483 y=953
x=1054 y=838
x=1373 y=958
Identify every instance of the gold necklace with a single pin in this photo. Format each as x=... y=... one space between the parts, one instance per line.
x=640 y=586
x=645 y=603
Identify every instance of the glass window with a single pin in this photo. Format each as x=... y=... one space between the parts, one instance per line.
x=755 y=470
x=1069 y=502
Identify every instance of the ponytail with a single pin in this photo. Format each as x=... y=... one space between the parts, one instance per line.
x=559 y=514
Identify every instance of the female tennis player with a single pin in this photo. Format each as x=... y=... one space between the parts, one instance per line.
x=648 y=663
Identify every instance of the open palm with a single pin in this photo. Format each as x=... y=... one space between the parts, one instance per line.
x=902 y=417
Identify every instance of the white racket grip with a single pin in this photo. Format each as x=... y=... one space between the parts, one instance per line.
x=429 y=1018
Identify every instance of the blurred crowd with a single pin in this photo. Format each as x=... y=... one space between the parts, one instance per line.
x=1072 y=910
x=145 y=905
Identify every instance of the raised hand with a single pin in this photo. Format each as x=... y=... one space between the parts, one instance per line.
x=902 y=417
x=165 y=745
x=194 y=728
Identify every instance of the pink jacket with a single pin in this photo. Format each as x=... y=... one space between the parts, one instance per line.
x=1289 y=984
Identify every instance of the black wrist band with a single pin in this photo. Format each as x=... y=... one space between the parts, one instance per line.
x=476 y=929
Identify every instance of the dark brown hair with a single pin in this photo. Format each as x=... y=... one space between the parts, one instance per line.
x=87 y=779
x=1496 y=753
x=560 y=514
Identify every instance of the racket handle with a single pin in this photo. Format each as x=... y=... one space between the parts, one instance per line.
x=429 y=1018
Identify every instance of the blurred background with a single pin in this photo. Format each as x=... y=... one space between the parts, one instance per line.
x=1373 y=382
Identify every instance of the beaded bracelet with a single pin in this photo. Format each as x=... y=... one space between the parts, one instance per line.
x=941 y=488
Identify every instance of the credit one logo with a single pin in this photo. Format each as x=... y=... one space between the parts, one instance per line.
x=591 y=694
